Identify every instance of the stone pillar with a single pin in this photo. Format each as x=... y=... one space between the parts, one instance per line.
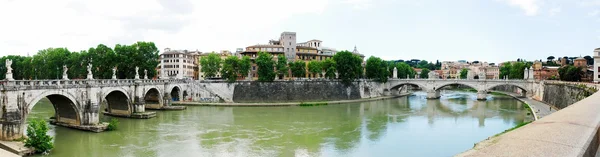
x=433 y=94
x=138 y=105
x=404 y=89
x=395 y=73
x=12 y=120
x=482 y=95
x=596 y=67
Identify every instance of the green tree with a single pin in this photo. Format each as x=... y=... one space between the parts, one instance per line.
x=298 y=68
x=348 y=66
x=425 y=73
x=245 y=65
x=570 y=73
x=314 y=67
x=37 y=137
x=377 y=69
x=230 y=68
x=404 y=70
x=265 y=65
x=517 y=70
x=210 y=64
x=282 y=66
x=463 y=73
x=329 y=68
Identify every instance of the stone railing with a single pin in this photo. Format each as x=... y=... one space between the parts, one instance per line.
x=572 y=131
x=48 y=84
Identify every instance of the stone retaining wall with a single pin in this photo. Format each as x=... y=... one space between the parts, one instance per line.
x=562 y=95
x=301 y=91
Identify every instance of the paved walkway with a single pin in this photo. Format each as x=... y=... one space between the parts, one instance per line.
x=541 y=109
x=189 y=103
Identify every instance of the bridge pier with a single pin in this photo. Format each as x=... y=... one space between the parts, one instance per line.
x=433 y=94
x=482 y=95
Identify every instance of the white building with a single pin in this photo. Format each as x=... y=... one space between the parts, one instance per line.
x=596 y=65
x=178 y=64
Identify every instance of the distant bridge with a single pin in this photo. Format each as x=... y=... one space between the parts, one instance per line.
x=483 y=86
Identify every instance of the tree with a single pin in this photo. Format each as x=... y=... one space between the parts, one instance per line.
x=550 y=58
x=314 y=67
x=348 y=66
x=589 y=59
x=245 y=65
x=282 y=67
x=230 y=68
x=265 y=65
x=377 y=69
x=517 y=70
x=422 y=64
x=329 y=67
x=404 y=70
x=425 y=73
x=463 y=73
x=298 y=68
x=210 y=64
x=37 y=137
x=570 y=73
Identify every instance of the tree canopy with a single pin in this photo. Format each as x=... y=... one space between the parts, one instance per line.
x=210 y=64
x=48 y=63
x=463 y=73
x=424 y=73
x=377 y=69
x=298 y=68
x=282 y=67
x=348 y=66
x=314 y=67
x=570 y=73
x=265 y=65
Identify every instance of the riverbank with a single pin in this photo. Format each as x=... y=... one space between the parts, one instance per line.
x=538 y=109
x=285 y=103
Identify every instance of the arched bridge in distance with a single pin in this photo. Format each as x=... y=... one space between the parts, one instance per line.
x=434 y=86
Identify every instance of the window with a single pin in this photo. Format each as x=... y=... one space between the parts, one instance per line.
x=253 y=68
x=290 y=43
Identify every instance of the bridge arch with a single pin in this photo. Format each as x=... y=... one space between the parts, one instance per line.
x=396 y=86
x=153 y=96
x=437 y=88
x=65 y=106
x=174 y=91
x=118 y=101
x=511 y=84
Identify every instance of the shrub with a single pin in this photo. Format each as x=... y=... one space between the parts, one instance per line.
x=112 y=125
x=37 y=137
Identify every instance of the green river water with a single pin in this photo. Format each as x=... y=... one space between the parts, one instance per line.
x=406 y=126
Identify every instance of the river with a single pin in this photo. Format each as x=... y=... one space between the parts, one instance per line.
x=406 y=126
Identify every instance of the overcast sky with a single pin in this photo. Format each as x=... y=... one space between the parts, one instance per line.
x=484 y=30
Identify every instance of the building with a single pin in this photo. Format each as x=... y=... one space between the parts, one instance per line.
x=596 y=67
x=541 y=72
x=179 y=64
x=287 y=45
x=452 y=69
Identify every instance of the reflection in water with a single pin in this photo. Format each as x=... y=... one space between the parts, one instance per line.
x=406 y=126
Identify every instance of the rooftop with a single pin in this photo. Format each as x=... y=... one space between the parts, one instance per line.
x=267 y=46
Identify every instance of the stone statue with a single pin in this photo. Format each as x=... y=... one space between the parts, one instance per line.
x=65 y=69
x=145 y=74
x=8 y=66
x=89 y=68
x=137 y=75
x=9 y=75
x=114 y=75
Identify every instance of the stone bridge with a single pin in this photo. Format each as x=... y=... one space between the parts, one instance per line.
x=483 y=86
x=78 y=103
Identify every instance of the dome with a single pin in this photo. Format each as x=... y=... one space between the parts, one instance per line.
x=580 y=59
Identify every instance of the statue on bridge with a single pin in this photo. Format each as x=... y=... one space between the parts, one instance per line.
x=114 y=76
x=89 y=69
x=9 y=75
x=137 y=75
x=65 y=76
x=145 y=74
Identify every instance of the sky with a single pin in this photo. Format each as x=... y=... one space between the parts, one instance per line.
x=444 y=30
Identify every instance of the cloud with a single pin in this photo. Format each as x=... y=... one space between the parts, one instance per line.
x=594 y=13
x=359 y=4
x=555 y=11
x=181 y=24
x=531 y=7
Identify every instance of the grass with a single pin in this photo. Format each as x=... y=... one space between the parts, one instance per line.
x=313 y=104
x=513 y=128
